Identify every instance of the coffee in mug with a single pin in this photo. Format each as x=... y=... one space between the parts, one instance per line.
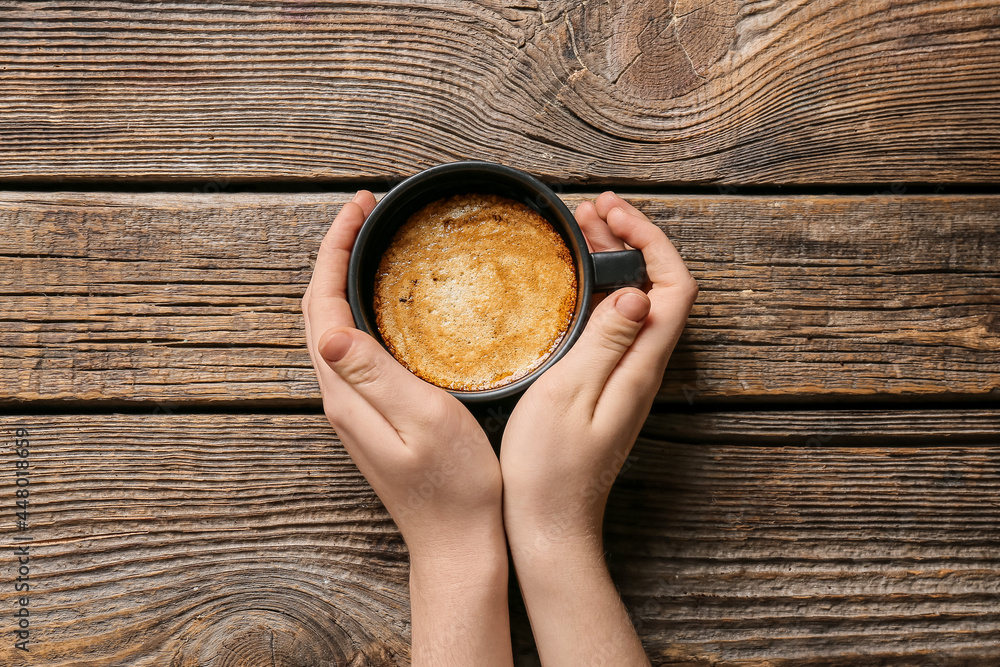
x=474 y=292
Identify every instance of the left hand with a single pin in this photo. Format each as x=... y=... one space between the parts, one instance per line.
x=427 y=459
x=420 y=449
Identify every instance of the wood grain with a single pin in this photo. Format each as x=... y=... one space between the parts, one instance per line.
x=617 y=91
x=221 y=542
x=786 y=556
x=174 y=298
x=222 y=539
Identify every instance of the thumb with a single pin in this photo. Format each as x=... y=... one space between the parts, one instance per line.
x=373 y=373
x=612 y=328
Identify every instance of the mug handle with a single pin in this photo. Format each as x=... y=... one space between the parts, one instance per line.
x=618 y=268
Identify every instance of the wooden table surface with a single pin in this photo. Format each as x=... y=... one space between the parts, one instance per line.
x=819 y=481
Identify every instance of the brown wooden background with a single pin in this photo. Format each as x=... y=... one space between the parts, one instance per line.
x=819 y=483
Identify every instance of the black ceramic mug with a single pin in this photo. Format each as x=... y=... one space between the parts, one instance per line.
x=595 y=272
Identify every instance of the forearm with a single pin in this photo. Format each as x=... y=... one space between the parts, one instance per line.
x=576 y=614
x=459 y=608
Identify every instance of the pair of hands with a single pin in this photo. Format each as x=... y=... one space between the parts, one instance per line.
x=457 y=506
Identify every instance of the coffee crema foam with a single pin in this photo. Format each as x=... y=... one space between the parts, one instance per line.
x=474 y=292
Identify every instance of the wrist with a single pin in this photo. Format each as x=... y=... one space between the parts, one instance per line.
x=469 y=567
x=459 y=554
x=573 y=606
x=552 y=559
x=471 y=584
x=458 y=602
x=554 y=536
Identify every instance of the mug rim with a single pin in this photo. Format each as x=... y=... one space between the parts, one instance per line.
x=556 y=212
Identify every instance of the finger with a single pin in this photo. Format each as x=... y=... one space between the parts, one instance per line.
x=609 y=200
x=595 y=229
x=367 y=436
x=634 y=382
x=366 y=200
x=664 y=265
x=674 y=291
x=325 y=304
x=609 y=333
x=329 y=277
x=365 y=433
x=406 y=401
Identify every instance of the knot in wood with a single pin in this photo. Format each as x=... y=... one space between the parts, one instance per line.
x=279 y=628
x=652 y=50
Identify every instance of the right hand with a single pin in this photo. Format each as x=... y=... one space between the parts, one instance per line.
x=570 y=433
x=568 y=437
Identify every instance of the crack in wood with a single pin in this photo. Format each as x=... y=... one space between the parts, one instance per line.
x=674 y=23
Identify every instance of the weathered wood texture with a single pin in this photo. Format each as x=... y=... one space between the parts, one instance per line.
x=215 y=539
x=624 y=91
x=179 y=297
x=209 y=541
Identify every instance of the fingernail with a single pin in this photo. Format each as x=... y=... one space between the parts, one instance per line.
x=619 y=212
x=632 y=306
x=356 y=195
x=336 y=346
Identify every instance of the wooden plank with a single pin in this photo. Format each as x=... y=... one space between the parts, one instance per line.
x=621 y=91
x=178 y=297
x=810 y=555
x=218 y=539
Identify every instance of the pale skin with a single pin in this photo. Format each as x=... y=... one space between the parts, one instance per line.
x=458 y=507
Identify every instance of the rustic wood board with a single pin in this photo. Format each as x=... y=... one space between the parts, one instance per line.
x=620 y=91
x=224 y=539
x=173 y=298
